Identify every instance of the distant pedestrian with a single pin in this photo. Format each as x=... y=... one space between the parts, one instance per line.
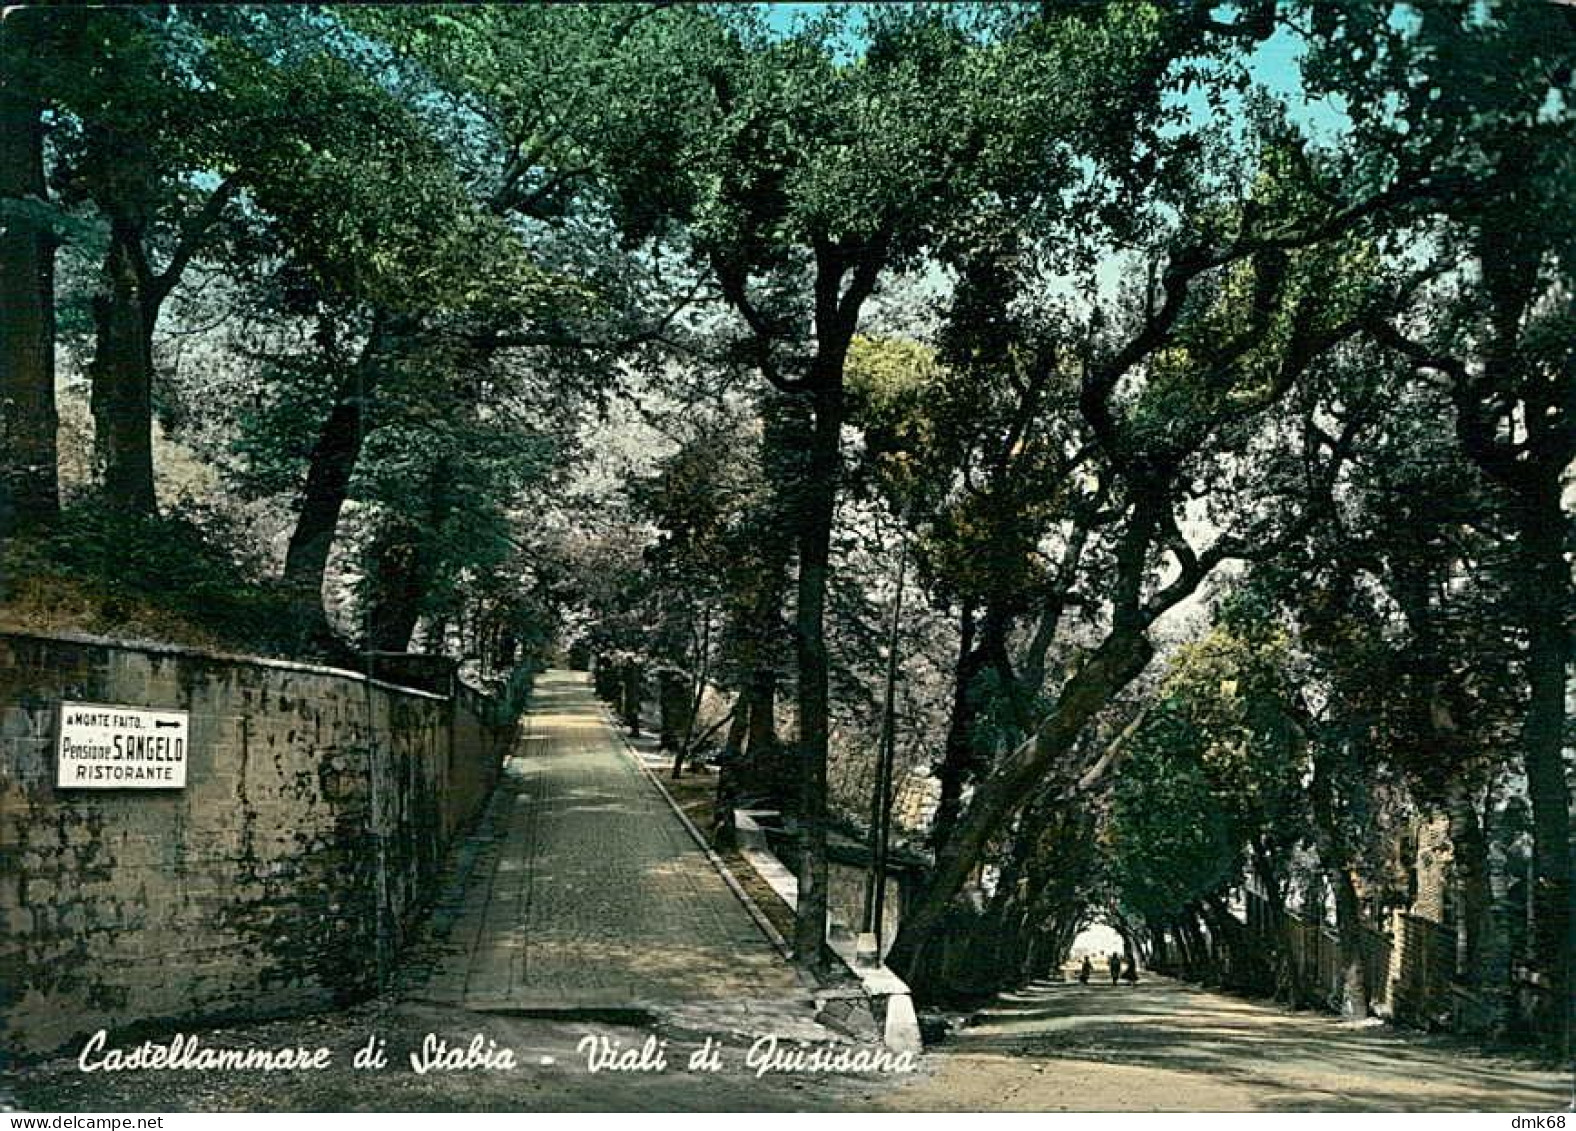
x=1130 y=972
x=1114 y=963
x=1086 y=971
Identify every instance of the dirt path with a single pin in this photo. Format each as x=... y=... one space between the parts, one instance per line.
x=1165 y=1046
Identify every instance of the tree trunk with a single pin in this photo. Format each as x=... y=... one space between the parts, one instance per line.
x=331 y=466
x=29 y=481
x=1349 y=939
x=634 y=693
x=606 y=680
x=415 y=555
x=770 y=765
x=394 y=603
x=980 y=648
x=999 y=939
x=1469 y=859
x=760 y=737
x=733 y=745
x=768 y=770
x=730 y=773
x=953 y=771
x=1545 y=591
x=1112 y=666
x=1531 y=472
x=1176 y=950
x=1196 y=956
x=1495 y=960
x=327 y=486
x=122 y=372
x=817 y=499
x=695 y=698
x=1231 y=957
x=1354 y=989
x=673 y=704
x=1284 y=978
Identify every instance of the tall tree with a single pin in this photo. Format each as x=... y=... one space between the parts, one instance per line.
x=29 y=483
x=153 y=119
x=1483 y=96
x=475 y=245
x=1236 y=314
x=802 y=179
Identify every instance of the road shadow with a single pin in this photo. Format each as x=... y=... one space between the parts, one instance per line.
x=1290 y=1061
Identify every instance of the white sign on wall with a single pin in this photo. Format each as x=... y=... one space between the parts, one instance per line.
x=109 y=747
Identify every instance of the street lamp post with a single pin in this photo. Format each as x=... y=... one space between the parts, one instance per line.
x=881 y=794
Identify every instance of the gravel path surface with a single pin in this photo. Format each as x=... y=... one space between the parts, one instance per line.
x=1166 y=1046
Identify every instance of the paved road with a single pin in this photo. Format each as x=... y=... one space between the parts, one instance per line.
x=580 y=907
x=585 y=892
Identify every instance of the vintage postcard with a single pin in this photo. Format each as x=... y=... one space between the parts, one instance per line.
x=746 y=557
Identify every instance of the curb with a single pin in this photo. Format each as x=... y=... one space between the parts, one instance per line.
x=900 y=1032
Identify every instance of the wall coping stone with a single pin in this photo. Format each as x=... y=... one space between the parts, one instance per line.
x=162 y=648
x=878 y=984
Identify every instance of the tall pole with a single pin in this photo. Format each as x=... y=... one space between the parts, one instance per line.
x=880 y=795
x=702 y=672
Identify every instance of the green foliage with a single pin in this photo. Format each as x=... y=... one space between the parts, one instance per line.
x=765 y=148
x=184 y=575
x=1218 y=763
x=1172 y=839
x=888 y=382
x=273 y=435
x=448 y=491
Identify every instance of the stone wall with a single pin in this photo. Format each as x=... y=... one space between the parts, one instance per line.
x=1422 y=970
x=284 y=876
x=845 y=900
x=1431 y=870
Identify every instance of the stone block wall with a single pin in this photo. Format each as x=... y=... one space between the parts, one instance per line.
x=1422 y=969
x=845 y=900
x=284 y=877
